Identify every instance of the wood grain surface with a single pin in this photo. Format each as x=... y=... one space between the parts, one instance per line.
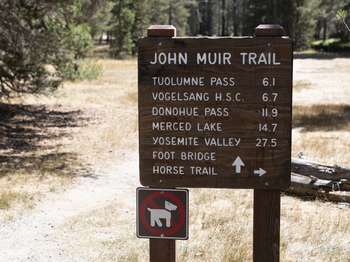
x=266 y=228
x=225 y=115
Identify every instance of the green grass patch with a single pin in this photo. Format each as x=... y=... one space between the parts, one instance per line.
x=86 y=69
x=331 y=45
x=89 y=70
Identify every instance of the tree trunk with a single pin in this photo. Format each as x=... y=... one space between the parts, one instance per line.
x=321 y=171
x=209 y=18
x=234 y=18
x=223 y=17
x=274 y=11
x=119 y=37
x=324 y=29
x=318 y=30
x=170 y=18
x=108 y=39
x=315 y=180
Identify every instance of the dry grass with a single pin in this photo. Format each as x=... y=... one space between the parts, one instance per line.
x=321 y=112
x=33 y=157
x=321 y=132
x=7 y=198
x=21 y=191
x=301 y=84
x=220 y=220
x=111 y=103
x=94 y=135
x=220 y=230
x=328 y=81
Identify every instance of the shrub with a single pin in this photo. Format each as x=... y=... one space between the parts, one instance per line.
x=89 y=70
x=83 y=69
x=38 y=34
x=78 y=40
x=331 y=45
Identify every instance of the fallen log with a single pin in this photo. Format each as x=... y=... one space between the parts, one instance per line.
x=313 y=180
x=310 y=168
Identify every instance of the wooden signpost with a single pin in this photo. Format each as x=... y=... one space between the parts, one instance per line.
x=216 y=112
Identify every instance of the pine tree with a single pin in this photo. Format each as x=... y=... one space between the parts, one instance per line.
x=173 y=12
x=140 y=23
x=123 y=15
x=35 y=34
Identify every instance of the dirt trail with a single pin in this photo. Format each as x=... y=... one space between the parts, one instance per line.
x=33 y=237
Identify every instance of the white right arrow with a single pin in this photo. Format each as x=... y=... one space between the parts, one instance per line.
x=260 y=172
x=238 y=163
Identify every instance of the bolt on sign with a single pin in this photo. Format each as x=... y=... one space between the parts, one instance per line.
x=162 y=213
x=215 y=112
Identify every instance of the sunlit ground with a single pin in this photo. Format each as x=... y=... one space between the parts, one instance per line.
x=104 y=127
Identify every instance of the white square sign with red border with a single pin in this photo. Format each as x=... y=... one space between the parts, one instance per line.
x=162 y=213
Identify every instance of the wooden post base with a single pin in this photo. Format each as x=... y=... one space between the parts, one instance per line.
x=162 y=250
x=266 y=230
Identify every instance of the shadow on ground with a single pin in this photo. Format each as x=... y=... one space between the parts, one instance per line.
x=29 y=140
x=321 y=118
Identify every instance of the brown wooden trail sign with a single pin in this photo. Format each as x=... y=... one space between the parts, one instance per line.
x=215 y=112
x=207 y=102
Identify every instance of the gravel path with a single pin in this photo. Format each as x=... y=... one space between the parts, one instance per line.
x=33 y=237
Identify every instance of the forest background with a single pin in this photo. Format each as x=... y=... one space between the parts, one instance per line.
x=43 y=42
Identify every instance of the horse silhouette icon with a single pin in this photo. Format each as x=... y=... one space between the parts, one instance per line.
x=157 y=214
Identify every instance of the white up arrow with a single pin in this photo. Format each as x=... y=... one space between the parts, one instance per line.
x=238 y=163
x=260 y=172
